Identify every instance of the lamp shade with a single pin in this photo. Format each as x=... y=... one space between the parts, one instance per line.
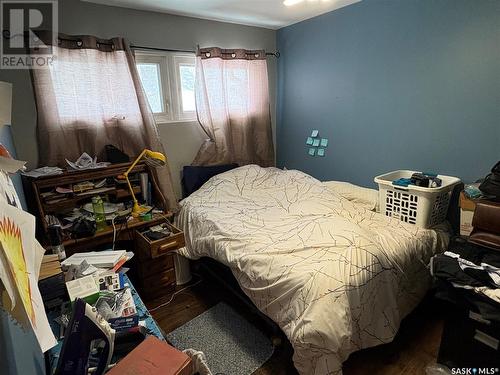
x=5 y=103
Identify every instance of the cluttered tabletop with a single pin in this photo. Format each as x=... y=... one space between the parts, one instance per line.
x=85 y=216
x=86 y=208
x=98 y=288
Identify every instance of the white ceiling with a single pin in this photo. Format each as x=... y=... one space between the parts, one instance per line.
x=271 y=14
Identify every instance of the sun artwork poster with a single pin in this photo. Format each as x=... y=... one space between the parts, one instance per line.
x=20 y=259
x=10 y=237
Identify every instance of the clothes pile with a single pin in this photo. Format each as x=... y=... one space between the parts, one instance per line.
x=470 y=274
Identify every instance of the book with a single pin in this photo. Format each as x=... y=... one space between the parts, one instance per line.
x=100 y=259
x=154 y=356
x=50 y=267
x=120 y=263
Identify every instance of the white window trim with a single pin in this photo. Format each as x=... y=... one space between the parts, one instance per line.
x=177 y=61
x=169 y=63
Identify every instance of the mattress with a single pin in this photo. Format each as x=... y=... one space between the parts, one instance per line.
x=335 y=276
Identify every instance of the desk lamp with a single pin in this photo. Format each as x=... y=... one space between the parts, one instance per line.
x=152 y=159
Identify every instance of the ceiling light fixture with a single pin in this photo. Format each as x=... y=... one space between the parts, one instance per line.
x=290 y=3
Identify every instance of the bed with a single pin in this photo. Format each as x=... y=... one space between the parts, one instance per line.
x=333 y=274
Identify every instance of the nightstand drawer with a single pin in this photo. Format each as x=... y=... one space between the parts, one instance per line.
x=158 y=285
x=160 y=279
x=148 y=248
x=149 y=267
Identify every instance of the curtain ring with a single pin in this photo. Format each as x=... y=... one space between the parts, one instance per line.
x=207 y=54
x=233 y=55
x=79 y=43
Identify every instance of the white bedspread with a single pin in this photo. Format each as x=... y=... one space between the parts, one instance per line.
x=335 y=277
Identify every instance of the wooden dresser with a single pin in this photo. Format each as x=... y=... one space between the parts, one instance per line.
x=152 y=268
x=155 y=266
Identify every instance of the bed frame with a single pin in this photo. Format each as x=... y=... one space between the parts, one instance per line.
x=222 y=274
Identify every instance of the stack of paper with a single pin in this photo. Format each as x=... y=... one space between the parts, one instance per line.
x=50 y=267
x=44 y=171
x=99 y=259
x=51 y=282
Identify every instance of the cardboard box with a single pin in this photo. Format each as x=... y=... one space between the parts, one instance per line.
x=84 y=288
x=467 y=208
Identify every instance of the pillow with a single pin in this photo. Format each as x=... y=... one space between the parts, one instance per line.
x=194 y=177
x=368 y=198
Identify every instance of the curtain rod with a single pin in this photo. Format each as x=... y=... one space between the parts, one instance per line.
x=275 y=54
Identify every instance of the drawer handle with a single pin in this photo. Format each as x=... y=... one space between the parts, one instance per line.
x=167 y=246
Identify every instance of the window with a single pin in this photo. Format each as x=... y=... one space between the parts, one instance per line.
x=168 y=80
x=151 y=81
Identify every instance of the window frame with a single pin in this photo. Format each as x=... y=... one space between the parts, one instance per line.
x=170 y=83
x=179 y=59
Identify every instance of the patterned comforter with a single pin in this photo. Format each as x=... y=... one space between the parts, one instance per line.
x=334 y=276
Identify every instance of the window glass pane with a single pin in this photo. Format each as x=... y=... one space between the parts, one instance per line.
x=187 y=73
x=150 y=78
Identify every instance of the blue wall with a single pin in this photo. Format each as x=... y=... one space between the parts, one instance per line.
x=19 y=350
x=401 y=84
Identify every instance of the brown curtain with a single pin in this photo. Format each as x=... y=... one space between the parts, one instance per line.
x=90 y=97
x=232 y=102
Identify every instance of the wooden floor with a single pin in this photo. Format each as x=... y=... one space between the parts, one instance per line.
x=415 y=346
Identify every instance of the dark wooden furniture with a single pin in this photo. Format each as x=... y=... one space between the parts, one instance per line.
x=155 y=265
x=43 y=200
x=152 y=269
x=471 y=332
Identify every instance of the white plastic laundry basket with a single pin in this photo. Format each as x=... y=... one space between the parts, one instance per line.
x=424 y=207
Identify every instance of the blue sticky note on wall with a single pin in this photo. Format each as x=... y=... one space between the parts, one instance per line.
x=309 y=141
x=321 y=152
x=324 y=142
x=314 y=133
x=316 y=143
x=312 y=151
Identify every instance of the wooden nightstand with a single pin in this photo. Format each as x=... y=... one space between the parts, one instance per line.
x=155 y=264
